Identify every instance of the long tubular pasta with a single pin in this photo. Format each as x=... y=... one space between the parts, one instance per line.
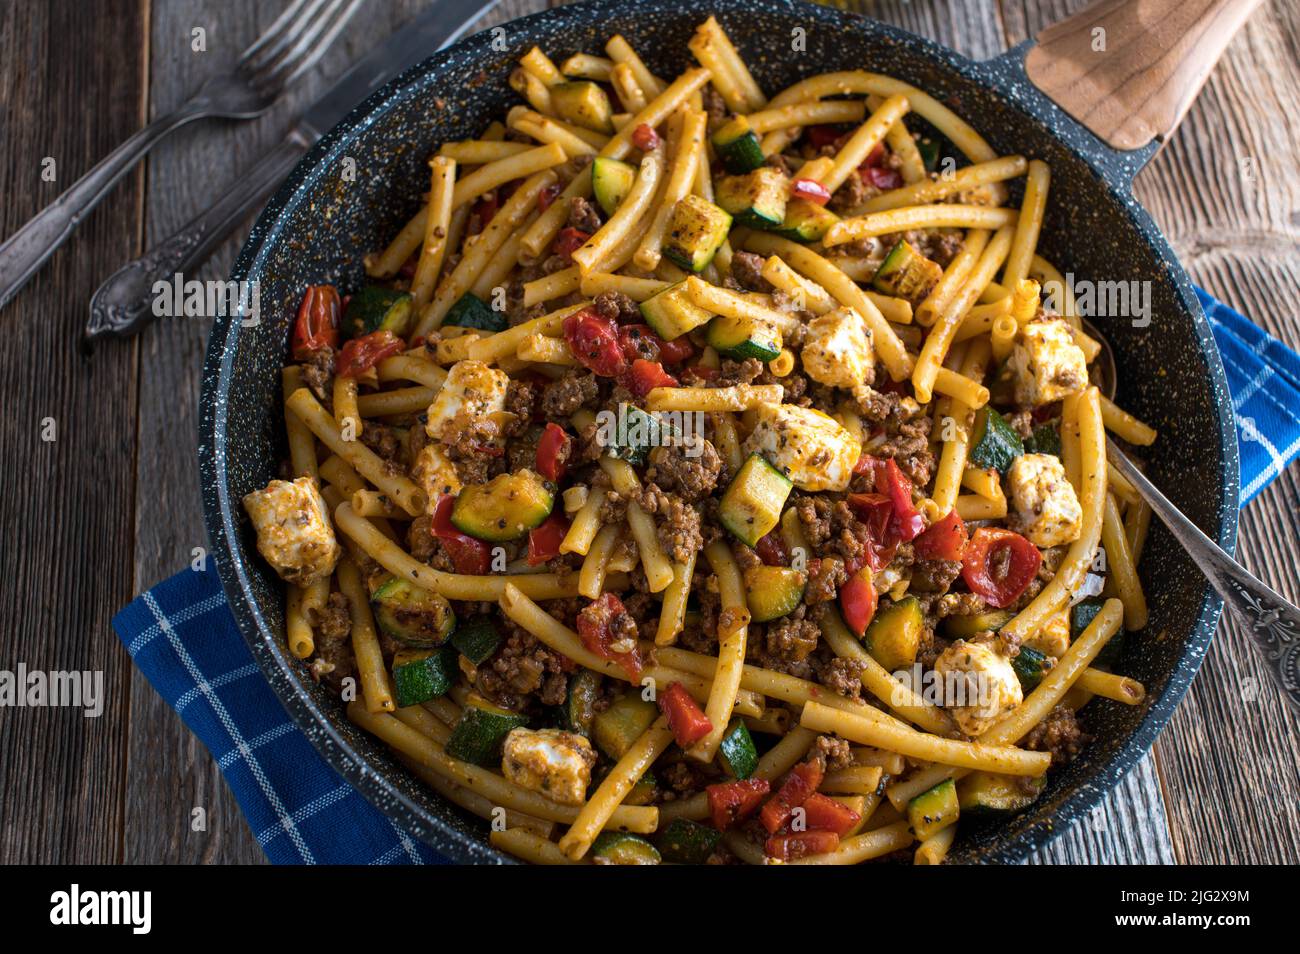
x=297 y=631
x=365 y=640
x=928 y=190
x=807 y=295
x=954 y=277
x=1051 y=278
x=855 y=151
x=625 y=773
x=346 y=415
x=530 y=847
x=542 y=232
x=1003 y=339
x=979 y=320
x=986 y=483
x=654 y=562
x=397 y=401
x=690 y=149
x=811 y=265
x=372 y=503
x=946 y=215
x=1112 y=686
x=407 y=367
x=727 y=441
x=945 y=327
x=956 y=385
x=314 y=597
x=424 y=721
x=586 y=524
x=629 y=212
x=399 y=488
x=806 y=114
x=974 y=507
x=495 y=347
x=1024 y=299
x=1121 y=488
x=854 y=780
x=302 y=445
x=574 y=140
x=623 y=78
x=500 y=791
x=638 y=289
x=495 y=273
x=437 y=228
x=871 y=844
x=1070 y=441
x=620 y=51
x=1092 y=499
x=338 y=472
x=549 y=287
x=897 y=311
x=733 y=627
x=1123 y=424
x=401 y=248
x=586 y=66
x=547 y=351
x=672 y=615
x=902 y=145
x=498 y=173
x=476 y=152
x=737 y=397
x=713 y=48
x=531 y=88
x=591 y=580
x=772 y=722
x=1029 y=224
x=472 y=801
x=1123 y=571
x=1137 y=521
x=952 y=460
x=659 y=109
x=540 y=65
x=934 y=849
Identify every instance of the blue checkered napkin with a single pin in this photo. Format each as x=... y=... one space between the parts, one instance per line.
x=182 y=636
x=1264 y=378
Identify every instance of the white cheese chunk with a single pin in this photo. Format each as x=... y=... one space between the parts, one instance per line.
x=1047 y=364
x=979 y=685
x=1047 y=510
x=473 y=391
x=837 y=350
x=435 y=474
x=550 y=761
x=809 y=447
x=293 y=530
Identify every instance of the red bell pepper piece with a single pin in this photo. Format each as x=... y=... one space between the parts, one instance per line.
x=907 y=523
x=595 y=626
x=639 y=341
x=800 y=844
x=359 y=355
x=676 y=351
x=553 y=452
x=858 y=601
x=593 y=339
x=468 y=555
x=877 y=512
x=544 y=541
x=998 y=565
x=486 y=208
x=685 y=717
x=826 y=814
x=945 y=540
x=771 y=550
x=823 y=135
x=547 y=196
x=883 y=177
x=802 y=782
x=568 y=241
x=318 y=321
x=732 y=802
x=644 y=376
x=811 y=190
x=645 y=138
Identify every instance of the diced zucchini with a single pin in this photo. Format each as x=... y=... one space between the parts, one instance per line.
x=995 y=442
x=505 y=508
x=752 y=504
x=625 y=721
x=481 y=732
x=580 y=706
x=477 y=639
x=423 y=674
x=1029 y=666
x=736 y=751
x=773 y=591
x=1045 y=439
x=757 y=199
x=894 y=634
x=671 y=314
x=933 y=810
x=584 y=104
x=641 y=432
x=470 y=311
x=376 y=308
x=696 y=229
x=412 y=615
x=742 y=338
x=1082 y=614
x=929 y=150
x=623 y=848
x=686 y=842
x=738 y=146
x=964 y=627
x=906 y=273
x=643 y=792
x=611 y=181
x=806 y=221
x=983 y=793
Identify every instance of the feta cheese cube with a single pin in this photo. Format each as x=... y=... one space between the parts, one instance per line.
x=1053 y=639
x=293 y=530
x=1047 y=510
x=472 y=391
x=837 y=350
x=550 y=761
x=1047 y=364
x=814 y=450
x=979 y=685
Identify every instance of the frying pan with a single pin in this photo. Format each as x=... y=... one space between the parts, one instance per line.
x=320 y=223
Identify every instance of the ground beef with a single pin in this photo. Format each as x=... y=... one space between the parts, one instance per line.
x=318 y=372
x=959 y=604
x=618 y=307
x=584 y=216
x=747 y=270
x=521 y=398
x=851 y=194
x=716 y=107
x=383 y=440
x=693 y=478
x=843 y=676
x=521 y=668
x=778 y=161
x=934 y=576
x=522 y=451
x=835 y=753
x=562 y=397
x=738 y=372
x=1059 y=734
x=334 y=641
x=468 y=447
x=792 y=639
x=938 y=245
x=613 y=509
x=825 y=575
x=678 y=523
x=1022 y=422
x=815 y=518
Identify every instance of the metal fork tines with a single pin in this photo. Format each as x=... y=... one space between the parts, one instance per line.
x=295 y=42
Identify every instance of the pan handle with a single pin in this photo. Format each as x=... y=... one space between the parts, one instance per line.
x=1129 y=69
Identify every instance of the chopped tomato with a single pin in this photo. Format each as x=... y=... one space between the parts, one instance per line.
x=998 y=565
x=596 y=627
x=359 y=355
x=547 y=196
x=802 y=782
x=467 y=554
x=593 y=339
x=858 y=601
x=810 y=189
x=318 y=321
x=884 y=178
x=676 y=351
x=685 y=717
x=568 y=241
x=877 y=512
x=553 y=452
x=907 y=523
x=826 y=814
x=645 y=376
x=544 y=541
x=639 y=341
x=645 y=138
x=771 y=550
x=945 y=540
x=701 y=372
x=875 y=157
x=486 y=208
x=733 y=802
x=801 y=844
x=823 y=135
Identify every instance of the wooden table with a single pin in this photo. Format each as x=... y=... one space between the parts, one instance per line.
x=111 y=506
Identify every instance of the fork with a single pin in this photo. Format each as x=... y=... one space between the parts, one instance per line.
x=290 y=47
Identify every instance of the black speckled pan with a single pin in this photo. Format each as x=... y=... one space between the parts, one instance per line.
x=318 y=226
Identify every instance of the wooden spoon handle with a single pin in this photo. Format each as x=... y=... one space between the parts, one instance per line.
x=1129 y=69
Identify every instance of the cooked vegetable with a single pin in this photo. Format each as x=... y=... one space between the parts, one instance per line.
x=895 y=634
x=481 y=731
x=929 y=150
x=584 y=104
x=738 y=147
x=412 y=615
x=641 y=431
x=983 y=793
x=1030 y=665
x=643 y=792
x=858 y=601
x=671 y=314
x=907 y=273
x=752 y=504
x=624 y=848
x=773 y=591
x=611 y=181
x=999 y=564
x=757 y=199
x=505 y=508
x=1082 y=614
x=737 y=752
x=995 y=442
x=477 y=639
x=423 y=674
x=964 y=627
x=696 y=230
x=742 y=338
x=580 y=706
x=685 y=718
x=733 y=802
x=470 y=311
x=933 y=810
x=1045 y=439
x=376 y=308
x=686 y=842
x=625 y=721
x=806 y=221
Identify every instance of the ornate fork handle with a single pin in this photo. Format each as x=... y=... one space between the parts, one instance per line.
x=1274 y=622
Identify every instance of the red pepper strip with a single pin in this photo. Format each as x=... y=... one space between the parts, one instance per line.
x=858 y=601
x=544 y=541
x=732 y=802
x=811 y=190
x=801 y=844
x=826 y=814
x=593 y=339
x=999 y=581
x=645 y=376
x=907 y=523
x=553 y=452
x=945 y=540
x=467 y=554
x=877 y=512
x=318 y=321
x=685 y=717
x=359 y=355
x=802 y=782
x=595 y=627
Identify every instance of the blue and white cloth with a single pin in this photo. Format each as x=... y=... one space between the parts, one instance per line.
x=183 y=637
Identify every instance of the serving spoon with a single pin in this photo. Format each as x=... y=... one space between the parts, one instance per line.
x=1273 y=622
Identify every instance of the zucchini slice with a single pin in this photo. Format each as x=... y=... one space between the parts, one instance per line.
x=412 y=615
x=1045 y=439
x=736 y=750
x=584 y=104
x=481 y=732
x=738 y=147
x=806 y=221
x=643 y=792
x=686 y=842
x=929 y=150
x=1082 y=613
x=906 y=273
x=423 y=674
x=982 y=794
x=376 y=308
x=623 y=848
x=995 y=442
x=580 y=706
x=477 y=639
x=752 y=504
x=743 y=338
x=641 y=431
x=611 y=181
x=671 y=314
x=757 y=199
x=894 y=635
x=470 y=311
x=696 y=231
x=625 y=721
x=505 y=508
x=964 y=627
x=933 y=810
x=1029 y=666
x=772 y=592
